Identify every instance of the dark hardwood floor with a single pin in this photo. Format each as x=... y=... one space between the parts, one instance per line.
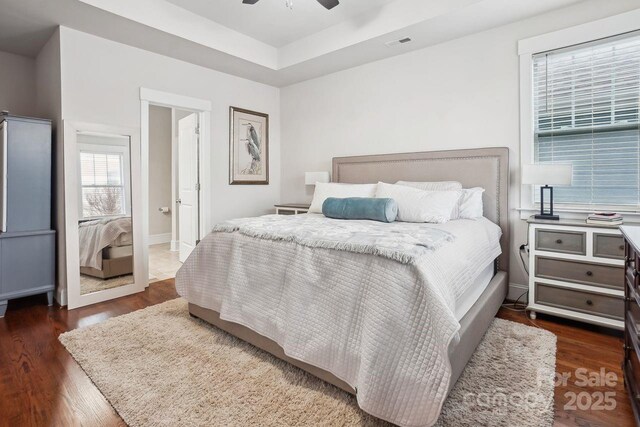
x=590 y=349
x=41 y=385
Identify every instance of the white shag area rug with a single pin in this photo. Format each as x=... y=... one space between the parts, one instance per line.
x=160 y=367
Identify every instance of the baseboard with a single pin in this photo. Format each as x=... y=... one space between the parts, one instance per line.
x=157 y=239
x=515 y=291
x=175 y=246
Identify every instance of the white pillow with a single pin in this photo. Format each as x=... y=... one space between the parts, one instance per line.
x=416 y=205
x=469 y=204
x=433 y=186
x=325 y=190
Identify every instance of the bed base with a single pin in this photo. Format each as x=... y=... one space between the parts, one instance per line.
x=111 y=267
x=472 y=328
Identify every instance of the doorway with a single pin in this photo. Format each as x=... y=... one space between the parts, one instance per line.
x=174 y=140
x=171 y=143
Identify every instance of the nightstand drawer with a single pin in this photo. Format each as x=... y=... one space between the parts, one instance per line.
x=608 y=246
x=582 y=301
x=632 y=370
x=632 y=278
x=633 y=321
x=580 y=272
x=566 y=242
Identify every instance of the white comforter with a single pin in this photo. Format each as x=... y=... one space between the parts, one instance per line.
x=382 y=326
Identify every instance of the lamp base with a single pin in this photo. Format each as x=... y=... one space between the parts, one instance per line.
x=548 y=217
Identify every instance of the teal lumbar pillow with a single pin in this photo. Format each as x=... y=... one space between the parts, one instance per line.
x=384 y=210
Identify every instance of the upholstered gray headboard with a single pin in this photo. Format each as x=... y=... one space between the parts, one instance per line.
x=481 y=167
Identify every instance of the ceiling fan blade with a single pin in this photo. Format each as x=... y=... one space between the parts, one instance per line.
x=329 y=4
x=250 y=1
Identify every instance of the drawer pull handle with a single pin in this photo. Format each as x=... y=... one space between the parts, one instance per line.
x=589 y=302
x=589 y=273
x=621 y=247
x=559 y=241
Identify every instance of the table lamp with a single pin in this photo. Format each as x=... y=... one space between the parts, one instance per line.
x=546 y=176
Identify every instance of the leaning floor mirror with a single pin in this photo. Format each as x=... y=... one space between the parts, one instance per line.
x=103 y=227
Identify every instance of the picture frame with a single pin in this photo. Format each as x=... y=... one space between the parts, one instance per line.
x=248 y=147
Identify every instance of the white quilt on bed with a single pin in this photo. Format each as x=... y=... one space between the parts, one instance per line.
x=96 y=235
x=382 y=326
x=401 y=241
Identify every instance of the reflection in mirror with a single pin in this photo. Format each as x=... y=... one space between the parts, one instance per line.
x=105 y=225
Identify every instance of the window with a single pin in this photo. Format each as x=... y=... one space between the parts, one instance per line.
x=102 y=183
x=585 y=106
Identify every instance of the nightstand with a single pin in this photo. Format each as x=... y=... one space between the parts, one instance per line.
x=576 y=271
x=292 y=208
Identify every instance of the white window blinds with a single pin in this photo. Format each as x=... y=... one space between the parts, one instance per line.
x=586 y=101
x=102 y=184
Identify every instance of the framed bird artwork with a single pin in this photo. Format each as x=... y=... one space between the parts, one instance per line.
x=248 y=147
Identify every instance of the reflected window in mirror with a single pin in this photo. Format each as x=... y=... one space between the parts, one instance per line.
x=104 y=176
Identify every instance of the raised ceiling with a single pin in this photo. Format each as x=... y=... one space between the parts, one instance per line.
x=272 y=22
x=265 y=42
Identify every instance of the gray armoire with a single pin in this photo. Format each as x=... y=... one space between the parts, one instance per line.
x=27 y=242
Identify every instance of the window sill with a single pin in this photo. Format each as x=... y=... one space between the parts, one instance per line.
x=578 y=213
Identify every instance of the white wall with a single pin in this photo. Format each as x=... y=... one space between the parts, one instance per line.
x=459 y=94
x=48 y=87
x=101 y=84
x=17 y=84
x=160 y=140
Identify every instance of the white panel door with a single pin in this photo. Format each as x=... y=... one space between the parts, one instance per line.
x=188 y=184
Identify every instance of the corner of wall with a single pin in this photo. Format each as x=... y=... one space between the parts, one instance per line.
x=49 y=105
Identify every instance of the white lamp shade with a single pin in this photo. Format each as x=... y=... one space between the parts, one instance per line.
x=547 y=174
x=310 y=178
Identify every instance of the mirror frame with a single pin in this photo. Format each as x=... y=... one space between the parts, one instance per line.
x=71 y=202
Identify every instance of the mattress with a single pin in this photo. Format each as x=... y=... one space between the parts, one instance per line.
x=124 y=239
x=468 y=298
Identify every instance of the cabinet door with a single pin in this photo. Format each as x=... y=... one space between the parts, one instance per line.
x=27 y=263
x=28 y=176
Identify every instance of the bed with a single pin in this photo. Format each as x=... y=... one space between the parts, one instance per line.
x=106 y=247
x=362 y=347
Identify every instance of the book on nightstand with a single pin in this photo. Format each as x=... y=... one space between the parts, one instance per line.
x=605 y=218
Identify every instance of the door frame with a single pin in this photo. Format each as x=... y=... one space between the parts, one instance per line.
x=71 y=201
x=203 y=108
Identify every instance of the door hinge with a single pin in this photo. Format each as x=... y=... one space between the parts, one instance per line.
x=198 y=130
x=197 y=186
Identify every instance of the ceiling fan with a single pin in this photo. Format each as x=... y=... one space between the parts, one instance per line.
x=329 y=4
